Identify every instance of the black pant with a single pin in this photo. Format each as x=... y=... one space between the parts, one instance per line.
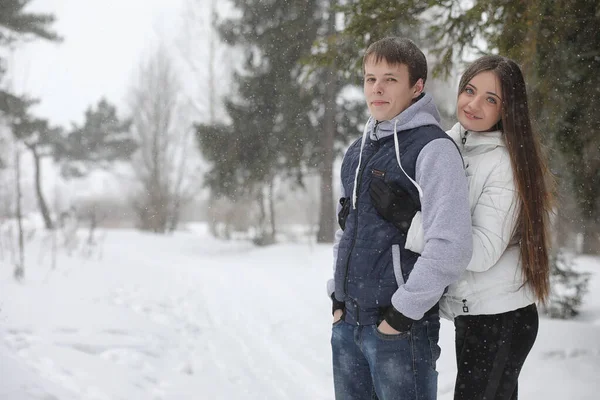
x=490 y=352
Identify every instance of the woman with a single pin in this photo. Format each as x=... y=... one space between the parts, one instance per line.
x=493 y=304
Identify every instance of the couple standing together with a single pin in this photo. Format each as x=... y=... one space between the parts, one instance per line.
x=438 y=223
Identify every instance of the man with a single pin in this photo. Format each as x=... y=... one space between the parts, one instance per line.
x=386 y=320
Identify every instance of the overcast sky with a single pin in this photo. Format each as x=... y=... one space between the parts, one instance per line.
x=103 y=43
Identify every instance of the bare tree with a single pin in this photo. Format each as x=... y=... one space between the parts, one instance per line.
x=206 y=59
x=162 y=166
x=42 y=202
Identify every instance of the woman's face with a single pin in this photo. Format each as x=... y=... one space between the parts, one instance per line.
x=479 y=105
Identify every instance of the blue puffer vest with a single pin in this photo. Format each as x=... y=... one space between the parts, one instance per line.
x=365 y=277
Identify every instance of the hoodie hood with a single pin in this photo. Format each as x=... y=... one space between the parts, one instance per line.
x=420 y=113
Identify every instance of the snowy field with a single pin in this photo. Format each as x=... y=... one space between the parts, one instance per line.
x=190 y=317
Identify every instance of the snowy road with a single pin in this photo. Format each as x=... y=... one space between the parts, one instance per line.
x=188 y=317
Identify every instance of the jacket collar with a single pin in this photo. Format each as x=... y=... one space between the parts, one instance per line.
x=470 y=139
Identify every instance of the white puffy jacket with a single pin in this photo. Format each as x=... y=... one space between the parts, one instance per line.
x=493 y=282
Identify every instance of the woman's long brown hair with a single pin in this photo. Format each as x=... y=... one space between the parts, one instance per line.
x=529 y=167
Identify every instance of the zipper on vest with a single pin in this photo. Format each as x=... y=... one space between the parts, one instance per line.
x=375 y=130
x=358 y=184
x=357 y=308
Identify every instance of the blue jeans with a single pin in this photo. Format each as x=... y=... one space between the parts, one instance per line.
x=368 y=364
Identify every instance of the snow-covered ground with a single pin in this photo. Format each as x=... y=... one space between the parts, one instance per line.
x=189 y=317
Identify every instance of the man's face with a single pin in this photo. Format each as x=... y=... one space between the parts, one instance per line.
x=387 y=89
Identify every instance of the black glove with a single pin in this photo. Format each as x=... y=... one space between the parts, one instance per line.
x=393 y=203
x=336 y=304
x=344 y=211
x=397 y=320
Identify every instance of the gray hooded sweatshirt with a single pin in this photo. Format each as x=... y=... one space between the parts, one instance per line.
x=439 y=177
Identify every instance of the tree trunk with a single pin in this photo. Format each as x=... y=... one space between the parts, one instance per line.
x=211 y=63
x=38 y=188
x=326 y=214
x=175 y=214
x=590 y=218
x=93 y=224
x=591 y=239
x=262 y=218
x=264 y=235
x=20 y=264
x=272 y=207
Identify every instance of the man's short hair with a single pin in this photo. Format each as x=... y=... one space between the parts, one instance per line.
x=396 y=50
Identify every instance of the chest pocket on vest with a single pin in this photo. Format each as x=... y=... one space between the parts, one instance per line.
x=399 y=184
